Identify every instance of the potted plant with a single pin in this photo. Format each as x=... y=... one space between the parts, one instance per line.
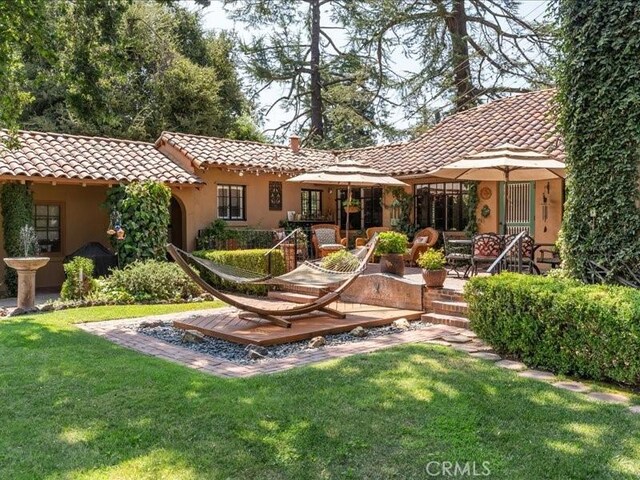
x=391 y=248
x=351 y=205
x=432 y=263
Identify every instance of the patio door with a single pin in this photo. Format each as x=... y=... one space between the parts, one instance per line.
x=519 y=215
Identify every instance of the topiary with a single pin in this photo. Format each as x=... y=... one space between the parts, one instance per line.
x=79 y=282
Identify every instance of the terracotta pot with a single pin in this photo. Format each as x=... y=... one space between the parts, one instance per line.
x=392 y=263
x=434 y=278
x=352 y=209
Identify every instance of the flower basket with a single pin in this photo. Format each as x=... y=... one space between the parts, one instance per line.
x=352 y=209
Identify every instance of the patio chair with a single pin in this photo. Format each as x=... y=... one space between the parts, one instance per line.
x=332 y=282
x=369 y=233
x=457 y=255
x=423 y=240
x=486 y=249
x=528 y=250
x=325 y=238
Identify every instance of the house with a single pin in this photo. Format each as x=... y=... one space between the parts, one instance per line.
x=245 y=182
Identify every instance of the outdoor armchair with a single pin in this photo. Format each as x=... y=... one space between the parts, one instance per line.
x=422 y=241
x=325 y=238
x=369 y=233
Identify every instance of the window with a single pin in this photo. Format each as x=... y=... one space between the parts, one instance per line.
x=47 y=220
x=370 y=214
x=443 y=206
x=311 y=207
x=231 y=202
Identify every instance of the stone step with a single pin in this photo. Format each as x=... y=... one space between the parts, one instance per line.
x=450 y=306
x=445 y=319
x=292 y=297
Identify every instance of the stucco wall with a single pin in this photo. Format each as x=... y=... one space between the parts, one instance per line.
x=201 y=204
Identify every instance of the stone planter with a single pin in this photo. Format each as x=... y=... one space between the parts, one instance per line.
x=392 y=263
x=26 y=268
x=434 y=278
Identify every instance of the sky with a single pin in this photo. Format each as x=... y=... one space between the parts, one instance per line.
x=215 y=18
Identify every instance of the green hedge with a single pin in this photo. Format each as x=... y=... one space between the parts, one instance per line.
x=16 y=202
x=592 y=331
x=253 y=260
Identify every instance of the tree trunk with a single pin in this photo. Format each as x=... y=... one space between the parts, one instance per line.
x=456 y=22
x=317 y=127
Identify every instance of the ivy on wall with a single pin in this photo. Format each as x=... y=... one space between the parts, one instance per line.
x=472 y=225
x=16 y=202
x=599 y=117
x=143 y=210
x=402 y=203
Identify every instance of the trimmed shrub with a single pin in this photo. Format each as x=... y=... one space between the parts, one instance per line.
x=147 y=281
x=254 y=261
x=391 y=243
x=562 y=325
x=79 y=282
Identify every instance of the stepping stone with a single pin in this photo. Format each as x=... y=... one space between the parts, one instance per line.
x=608 y=397
x=456 y=338
x=634 y=409
x=465 y=348
x=573 y=386
x=511 y=365
x=470 y=334
x=493 y=357
x=538 y=375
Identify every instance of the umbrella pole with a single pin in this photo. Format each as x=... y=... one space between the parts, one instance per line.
x=347 y=210
x=506 y=200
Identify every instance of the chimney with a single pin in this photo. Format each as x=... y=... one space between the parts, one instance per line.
x=294 y=143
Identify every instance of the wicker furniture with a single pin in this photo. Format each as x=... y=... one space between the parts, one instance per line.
x=369 y=233
x=423 y=240
x=325 y=237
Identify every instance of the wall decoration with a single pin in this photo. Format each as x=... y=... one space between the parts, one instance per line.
x=485 y=193
x=275 y=195
x=485 y=211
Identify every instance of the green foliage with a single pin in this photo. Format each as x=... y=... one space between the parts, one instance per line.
x=16 y=202
x=403 y=203
x=600 y=125
x=147 y=281
x=144 y=211
x=254 y=260
x=218 y=236
x=351 y=202
x=133 y=69
x=340 y=261
x=562 y=325
x=432 y=260
x=472 y=226
x=391 y=243
x=79 y=282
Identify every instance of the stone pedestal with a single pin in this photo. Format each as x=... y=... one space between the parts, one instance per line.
x=26 y=268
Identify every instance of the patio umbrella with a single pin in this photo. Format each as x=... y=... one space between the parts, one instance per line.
x=503 y=163
x=350 y=174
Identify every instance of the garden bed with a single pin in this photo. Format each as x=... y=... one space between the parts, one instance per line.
x=242 y=354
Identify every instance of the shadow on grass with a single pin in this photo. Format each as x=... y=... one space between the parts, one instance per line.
x=76 y=405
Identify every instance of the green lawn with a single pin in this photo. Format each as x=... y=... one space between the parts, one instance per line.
x=76 y=406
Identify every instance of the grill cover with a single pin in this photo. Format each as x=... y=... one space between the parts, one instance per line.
x=102 y=257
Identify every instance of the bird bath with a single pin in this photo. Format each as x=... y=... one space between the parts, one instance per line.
x=26 y=268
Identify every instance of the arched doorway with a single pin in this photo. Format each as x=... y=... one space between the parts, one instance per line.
x=176 y=223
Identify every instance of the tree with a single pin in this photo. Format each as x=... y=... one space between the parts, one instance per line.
x=334 y=94
x=599 y=95
x=133 y=70
x=21 y=23
x=467 y=50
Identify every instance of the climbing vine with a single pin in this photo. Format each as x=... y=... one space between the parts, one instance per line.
x=472 y=224
x=17 y=211
x=402 y=204
x=142 y=210
x=599 y=120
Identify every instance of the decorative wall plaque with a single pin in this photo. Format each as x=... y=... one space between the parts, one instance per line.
x=275 y=195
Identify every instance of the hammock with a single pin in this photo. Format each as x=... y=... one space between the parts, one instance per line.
x=309 y=273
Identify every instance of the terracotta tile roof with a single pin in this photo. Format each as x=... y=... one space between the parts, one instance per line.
x=207 y=151
x=522 y=120
x=54 y=155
